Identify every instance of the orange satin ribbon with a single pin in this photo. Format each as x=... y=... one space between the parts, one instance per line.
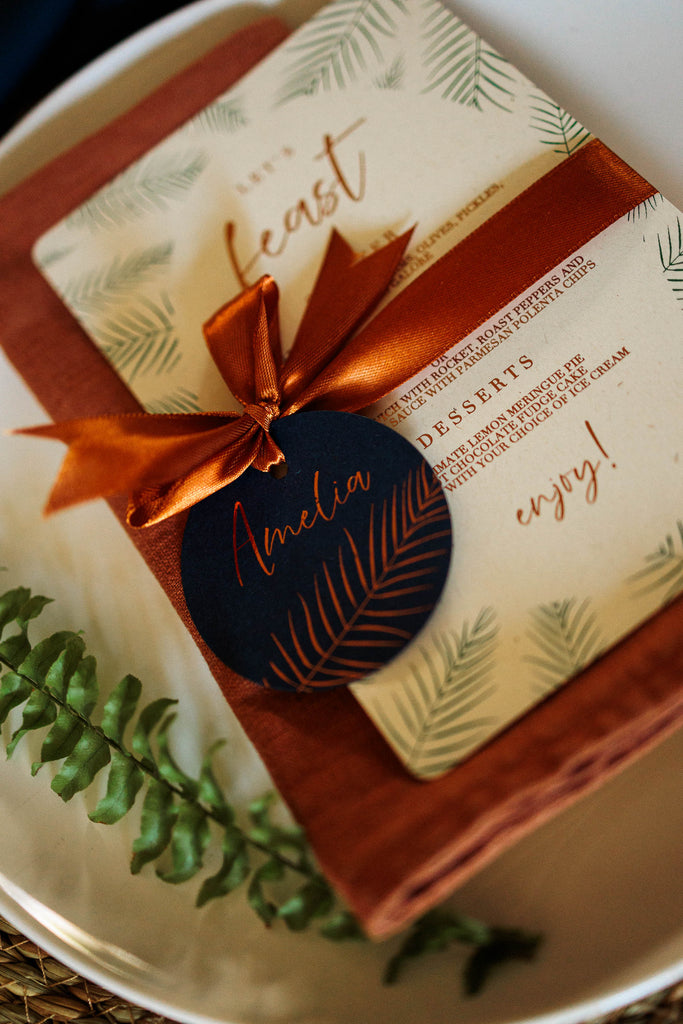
x=166 y=463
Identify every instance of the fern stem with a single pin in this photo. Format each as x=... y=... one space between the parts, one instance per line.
x=314 y=899
x=153 y=772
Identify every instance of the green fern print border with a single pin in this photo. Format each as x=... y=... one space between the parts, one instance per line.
x=644 y=209
x=393 y=76
x=338 y=44
x=224 y=117
x=566 y=634
x=557 y=128
x=147 y=186
x=438 y=706
x=135 y=331
x=141 y=338
x=671 y=257
x=460 y=65
x=663 y=569
x=94 y=290
x=566 y=638
x=179 y=400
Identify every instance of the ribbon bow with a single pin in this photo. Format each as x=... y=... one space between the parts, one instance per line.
x=168 y=462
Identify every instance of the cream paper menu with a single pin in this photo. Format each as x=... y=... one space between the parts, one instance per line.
x=555 y=428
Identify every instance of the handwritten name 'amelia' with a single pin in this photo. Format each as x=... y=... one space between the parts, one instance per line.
x=322 y=511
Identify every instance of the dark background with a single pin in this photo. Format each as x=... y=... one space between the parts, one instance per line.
x=42 y=42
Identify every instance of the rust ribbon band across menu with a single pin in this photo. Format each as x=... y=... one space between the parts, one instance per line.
x=171 y=461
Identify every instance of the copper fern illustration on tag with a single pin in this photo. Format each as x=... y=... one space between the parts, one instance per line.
x=368 y=599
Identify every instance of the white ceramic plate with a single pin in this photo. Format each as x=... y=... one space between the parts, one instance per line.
x=602 y=881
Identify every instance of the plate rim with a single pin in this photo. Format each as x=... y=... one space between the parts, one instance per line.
x=131 y=49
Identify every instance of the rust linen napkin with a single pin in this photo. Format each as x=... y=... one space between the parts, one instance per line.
x=391 y=845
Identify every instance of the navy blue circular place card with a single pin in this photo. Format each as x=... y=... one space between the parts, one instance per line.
x=319 y=577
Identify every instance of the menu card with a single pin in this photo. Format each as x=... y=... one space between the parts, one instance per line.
x=554 y=428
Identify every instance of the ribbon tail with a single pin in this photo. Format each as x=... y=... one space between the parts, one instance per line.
x=94 y=466
x=167 y=462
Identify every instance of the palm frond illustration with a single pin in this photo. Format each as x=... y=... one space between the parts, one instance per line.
x=51 y=256
x=671 y=257
x=393 y=77
x=557 y=128
x=141 y=339
x=434 y=719
x=460 y=65
x=222 y=117
x=179 y=400
x=338 y=44
x=145 y=186
x=368 y=603
x=94 y=290
x=642 y=210
x=567 y=638
x=663 y=570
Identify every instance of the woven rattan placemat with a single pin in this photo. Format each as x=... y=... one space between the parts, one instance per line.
x=34 y=988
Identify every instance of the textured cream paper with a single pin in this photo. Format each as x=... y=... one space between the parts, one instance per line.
x=555 y=428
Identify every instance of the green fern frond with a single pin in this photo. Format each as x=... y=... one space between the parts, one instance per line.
x=566 y=637
x=557 y=128
x=135 y=333
x=671 y=257
x=645 y=208
x=220 y=118
x=438 y=707
x=147 y=186
x=338 y=44
x=459 y=64
x=141 y=339
x=393 y=77
x=48 y=259
x=94 y=290
x=181 y=817
x=180 y=400
x=57 y=684
x=664 y=569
